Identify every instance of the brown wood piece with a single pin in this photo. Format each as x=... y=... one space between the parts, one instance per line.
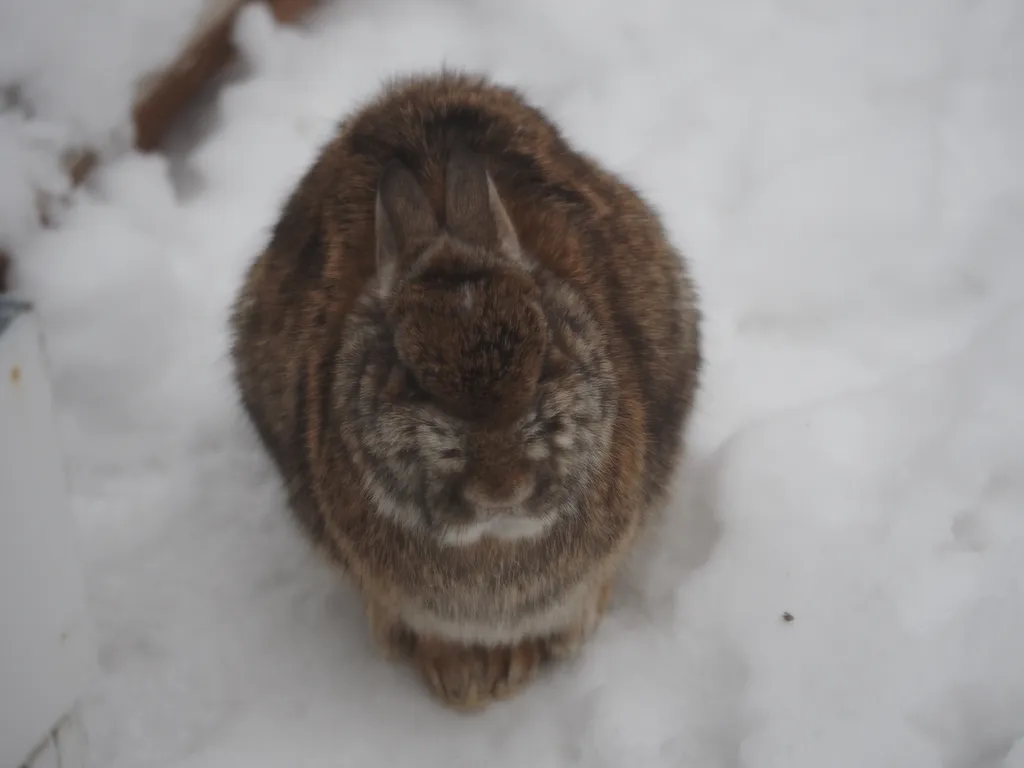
x=289 y=11
x=78 y=163
x=164 y=94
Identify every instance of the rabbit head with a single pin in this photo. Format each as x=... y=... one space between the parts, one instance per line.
x=477 y=392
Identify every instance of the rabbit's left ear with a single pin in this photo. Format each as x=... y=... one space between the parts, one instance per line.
x=403 y=219
x=473 y=209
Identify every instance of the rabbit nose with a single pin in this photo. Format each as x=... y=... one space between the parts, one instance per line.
x=491 y=495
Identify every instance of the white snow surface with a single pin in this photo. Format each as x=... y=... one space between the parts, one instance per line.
x=78 y=63
x=847 y=179
x=69 y=70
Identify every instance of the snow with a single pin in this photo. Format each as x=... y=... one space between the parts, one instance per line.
x=30 y=153
x=50 y=55
x=57 y=93
x=846 y=179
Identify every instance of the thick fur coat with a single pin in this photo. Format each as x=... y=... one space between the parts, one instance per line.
x=471 y=353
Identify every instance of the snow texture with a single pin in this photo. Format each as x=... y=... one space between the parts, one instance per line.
x=847 y=179
x=68 y=75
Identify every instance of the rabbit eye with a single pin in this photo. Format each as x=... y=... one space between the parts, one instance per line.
x=554 y=426
x=413 y=390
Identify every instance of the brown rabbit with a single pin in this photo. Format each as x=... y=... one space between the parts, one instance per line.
x=471 y=353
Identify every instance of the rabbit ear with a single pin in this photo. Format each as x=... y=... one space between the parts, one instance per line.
x=473 y=208
x=403 y=217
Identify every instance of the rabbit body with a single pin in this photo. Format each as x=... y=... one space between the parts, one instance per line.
x=471 y=353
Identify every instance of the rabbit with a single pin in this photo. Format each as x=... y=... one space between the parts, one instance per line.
x=472 y=353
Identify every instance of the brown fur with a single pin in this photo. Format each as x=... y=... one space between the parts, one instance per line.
x=397 y=206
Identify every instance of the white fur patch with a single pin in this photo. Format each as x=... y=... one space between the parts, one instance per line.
x=402 y=514
x=509 y=526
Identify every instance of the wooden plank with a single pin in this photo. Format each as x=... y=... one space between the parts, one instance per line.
x=290 y=11
x=165 y=94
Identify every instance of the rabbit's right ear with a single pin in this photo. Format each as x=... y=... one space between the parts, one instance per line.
x=403 y=218
x=473 y=208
